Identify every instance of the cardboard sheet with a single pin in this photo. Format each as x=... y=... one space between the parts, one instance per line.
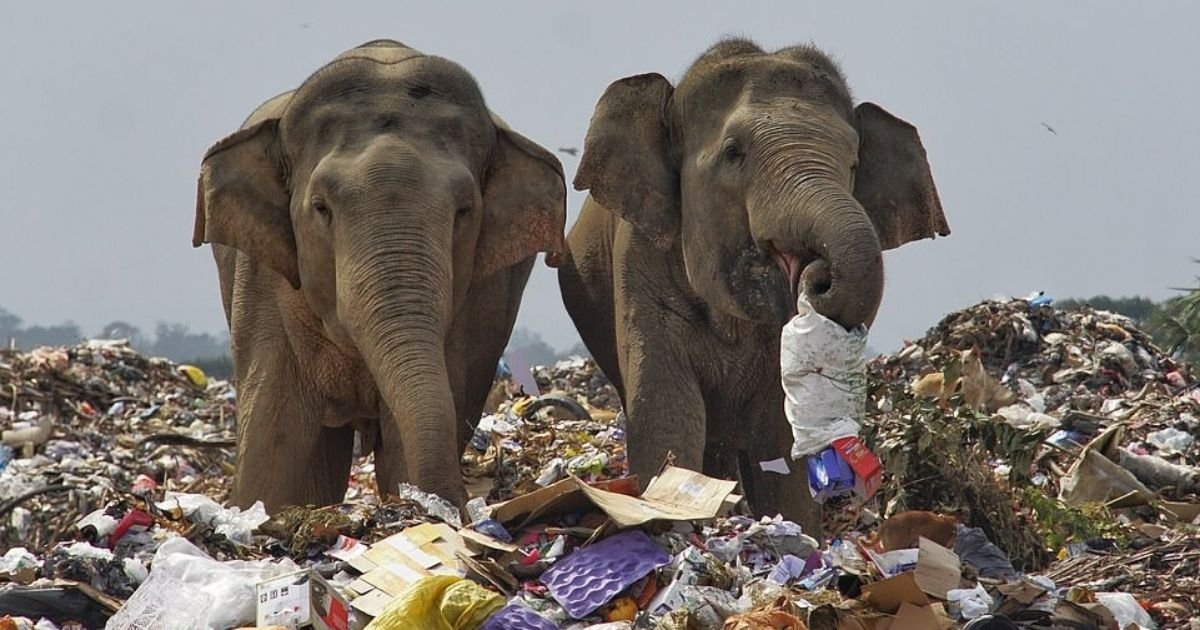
x=676 y=494
x=938 y=570
x=393 y=564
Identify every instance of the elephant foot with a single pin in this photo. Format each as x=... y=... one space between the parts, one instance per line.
x=390 y=475
x=769 y=493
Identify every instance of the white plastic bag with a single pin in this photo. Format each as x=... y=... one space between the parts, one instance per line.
x=1126 y=610
x=972 y=602
x=17 y=559
x=824 y=379
x=232 y=522
x=163 y=602
x=1171 y=439
x=433 y=504
x=230 y=584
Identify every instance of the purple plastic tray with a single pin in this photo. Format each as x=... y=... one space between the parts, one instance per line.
x=590 y=577
x=517 y=617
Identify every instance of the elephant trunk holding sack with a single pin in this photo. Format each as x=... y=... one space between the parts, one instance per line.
x=713 y=206
x=374 y=230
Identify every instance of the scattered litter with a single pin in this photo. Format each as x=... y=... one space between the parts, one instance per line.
x=1063 y=443
x=164 y=602
x=433 y=504
x=230 y=584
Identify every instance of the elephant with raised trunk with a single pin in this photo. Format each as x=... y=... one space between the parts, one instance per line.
x=374 y=230
x=713 y=205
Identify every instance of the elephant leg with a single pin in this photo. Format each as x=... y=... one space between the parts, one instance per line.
x=665 y=414
x=768 y=492
x=585 y=279
x=391 y=468
x=477 y=340
x=285 y=455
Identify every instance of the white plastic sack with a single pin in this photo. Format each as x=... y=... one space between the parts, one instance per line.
x=1171 y=439
x=231 y=522
x=433 y=504
x=230 y=584
x=163 y=602
x=972 y=602
x=1126 y=610
x=17 y=559
x=824 y=379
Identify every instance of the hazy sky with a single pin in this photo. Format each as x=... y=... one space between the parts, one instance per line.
x=107 y=109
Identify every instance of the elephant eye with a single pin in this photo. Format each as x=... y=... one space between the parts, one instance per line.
x=320 y=207
x=731 y=152
x=463 y=212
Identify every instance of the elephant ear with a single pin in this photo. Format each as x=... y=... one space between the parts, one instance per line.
x=893 y=181
x=524 y=203
x=242 y=201
x=627 y=162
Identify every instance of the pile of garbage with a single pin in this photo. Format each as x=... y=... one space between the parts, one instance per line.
x=1040 y=471
x=580 y=378
x=533 y=442
x=85 y=425
x=1067 y=437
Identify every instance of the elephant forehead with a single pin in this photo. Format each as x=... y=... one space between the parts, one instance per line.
x=424 y=100
x=713 y=90
x=413 y=77
x=382 y=50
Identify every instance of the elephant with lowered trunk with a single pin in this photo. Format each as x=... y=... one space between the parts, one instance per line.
x=713 y=204
x=374 y=230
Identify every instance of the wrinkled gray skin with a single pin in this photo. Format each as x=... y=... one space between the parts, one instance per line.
x=373 y=231
x=712 y=205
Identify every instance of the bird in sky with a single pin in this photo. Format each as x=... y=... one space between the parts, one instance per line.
x=569 y=150
x=1050 y=129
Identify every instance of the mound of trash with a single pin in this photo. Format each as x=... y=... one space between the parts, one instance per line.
x=1065 y=436
x=1040 y=471
x=87 y=425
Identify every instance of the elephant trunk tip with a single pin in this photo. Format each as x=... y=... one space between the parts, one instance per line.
x=851 y=300
x=812 y=278
x=816 y=280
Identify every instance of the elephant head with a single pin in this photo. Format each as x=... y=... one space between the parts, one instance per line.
x=382 y=190
x=769 y=179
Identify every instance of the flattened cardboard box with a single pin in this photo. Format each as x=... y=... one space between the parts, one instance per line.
x=330 y=610
x=393 y=564
x=938 y=570
x=304 y=598
x=676 y=494
x=910 y=617
x=283 y=599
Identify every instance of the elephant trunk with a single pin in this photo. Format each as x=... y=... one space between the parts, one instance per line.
x=845 y=283
x=395 y=294
x=823 y=241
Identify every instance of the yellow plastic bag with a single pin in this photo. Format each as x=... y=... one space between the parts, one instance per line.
x=195 y=375
x=440 y=602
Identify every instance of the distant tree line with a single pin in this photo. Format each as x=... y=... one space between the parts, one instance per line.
x=211 y=352
x=535 y=351
x=1174 y=323
x=172 y=341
